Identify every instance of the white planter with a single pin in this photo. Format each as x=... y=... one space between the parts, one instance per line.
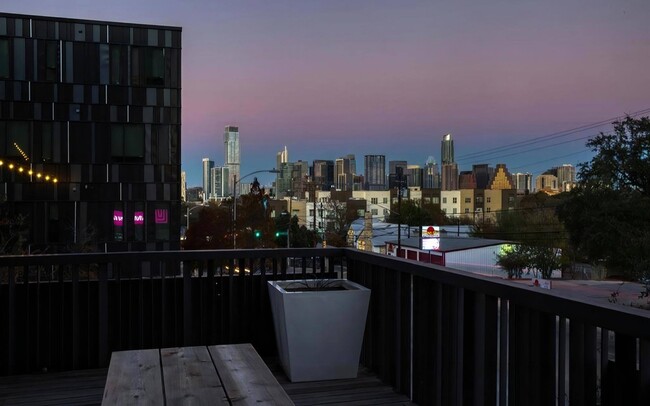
x=319 y=333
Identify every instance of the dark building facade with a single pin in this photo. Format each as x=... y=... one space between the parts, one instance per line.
x=95 y=106
x=375 y=172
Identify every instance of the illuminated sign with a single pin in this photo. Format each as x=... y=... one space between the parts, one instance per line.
x=118 y=218
x=430 y=238
x=138 y=218
x=161 y=216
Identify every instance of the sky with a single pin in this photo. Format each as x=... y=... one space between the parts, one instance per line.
x=329 y=78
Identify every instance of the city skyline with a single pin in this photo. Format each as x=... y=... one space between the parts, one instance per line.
x=377 y=77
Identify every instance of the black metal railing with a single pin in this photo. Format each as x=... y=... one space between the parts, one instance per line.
x=438 y=335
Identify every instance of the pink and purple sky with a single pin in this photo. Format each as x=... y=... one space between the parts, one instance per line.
x=328 y=78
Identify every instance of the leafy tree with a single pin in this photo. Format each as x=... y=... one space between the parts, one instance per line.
x=608 y=215
x=416 y=213
x=212 y=230
x=514 y=259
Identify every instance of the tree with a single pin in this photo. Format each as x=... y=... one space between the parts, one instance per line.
x=212 y=230
x=514 y=259
x=416 y=213
x=608 y=214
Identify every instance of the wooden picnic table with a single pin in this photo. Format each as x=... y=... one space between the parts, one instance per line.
x=211 y=375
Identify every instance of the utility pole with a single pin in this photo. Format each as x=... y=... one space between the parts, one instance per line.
x=399 y=208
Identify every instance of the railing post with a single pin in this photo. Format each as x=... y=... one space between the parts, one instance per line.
x=187 y=306
x=102 y=354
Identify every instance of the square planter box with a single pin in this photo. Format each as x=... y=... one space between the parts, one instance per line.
x=319 y=332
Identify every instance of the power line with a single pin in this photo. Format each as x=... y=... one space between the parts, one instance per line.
x=548 y=137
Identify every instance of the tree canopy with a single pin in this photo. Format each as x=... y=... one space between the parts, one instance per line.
x=608 y=214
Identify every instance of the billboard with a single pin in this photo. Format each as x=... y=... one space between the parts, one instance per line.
x=430 y=240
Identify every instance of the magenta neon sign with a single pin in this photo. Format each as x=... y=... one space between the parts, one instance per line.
x=118 y=218
x=138 y=218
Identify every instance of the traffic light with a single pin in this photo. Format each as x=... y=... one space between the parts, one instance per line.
x=257 y=234
x=280 y=233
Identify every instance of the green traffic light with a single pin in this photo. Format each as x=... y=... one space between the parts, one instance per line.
x=258 y=234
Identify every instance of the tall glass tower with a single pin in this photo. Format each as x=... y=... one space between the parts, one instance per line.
x=207 y=184
x=232 y=155
x=447 y=149
x=375 y=172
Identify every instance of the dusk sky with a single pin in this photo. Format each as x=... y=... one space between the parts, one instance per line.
x=329 y=78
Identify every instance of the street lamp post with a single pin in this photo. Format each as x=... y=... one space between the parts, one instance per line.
x=234 y=200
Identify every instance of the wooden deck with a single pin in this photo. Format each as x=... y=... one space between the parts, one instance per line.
x=86 y=387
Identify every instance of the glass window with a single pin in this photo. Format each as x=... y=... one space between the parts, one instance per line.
x=127 y=142
x=147 y=66
x=373 y=200
x=468 y=200
x=489 y=200
x=374 y=212
x=385 y=200
x=455 y=200
x=444 y=200
x=17 y=140
x=118 y=222
x=161 y=221
x=4 y=58
x=117 y=54
x=19 y=58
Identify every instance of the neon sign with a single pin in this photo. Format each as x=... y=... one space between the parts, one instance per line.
x=118 y=218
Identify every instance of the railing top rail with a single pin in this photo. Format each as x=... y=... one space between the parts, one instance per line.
x=198 y=255
x=617 y=317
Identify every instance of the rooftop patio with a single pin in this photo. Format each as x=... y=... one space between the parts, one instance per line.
x=435 y=335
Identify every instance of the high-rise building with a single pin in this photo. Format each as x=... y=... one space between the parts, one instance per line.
x=414 y=176
x=449 y=176
x=344 y=177
x=282 y=157
x=447 y=150
x=183 y=186
x=220 y=183
x=392 y=172
x=524 y=182
x=431 y=177
x=207 y=178
x=323 y=173
x=232 y=157
x=466 y=180
x=566 y=177
x=375 y=172
x=482 y=174
x=96 y=106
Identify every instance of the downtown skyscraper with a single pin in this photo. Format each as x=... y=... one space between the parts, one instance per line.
x=375 y=172
x=232 y=157
x=449 y=167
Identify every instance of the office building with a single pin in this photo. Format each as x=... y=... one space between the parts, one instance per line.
x=323 y=173
x=393 y=168
x=523 y=182
x=431 y=176
x=344 y=176
x=466 y=180
x=447 y=150
x=220 y=183
x=232 y=158
x=207 y=166
x=482 y=175
x=96 y=106
x=375 y=172
x=414 y=175
x=449 y=176
x=566 y=177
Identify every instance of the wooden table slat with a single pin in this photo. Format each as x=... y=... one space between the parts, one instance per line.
x=245 y=377
x=189 y=376
x=134 y=377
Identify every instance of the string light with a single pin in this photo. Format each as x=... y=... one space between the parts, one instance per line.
x=28 y=171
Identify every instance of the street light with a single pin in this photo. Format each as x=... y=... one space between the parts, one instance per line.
x=234 y=200
x=189 y=210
